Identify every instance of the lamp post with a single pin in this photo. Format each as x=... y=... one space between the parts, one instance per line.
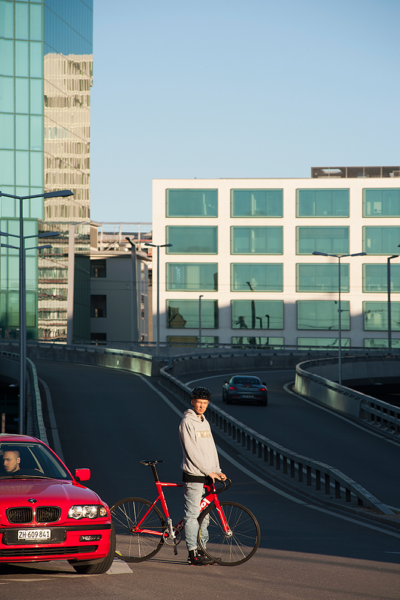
x=389 y=305
x=158 y=246
x=134 y=298
x=22 y=310
x=339 y=257
x=200 y=297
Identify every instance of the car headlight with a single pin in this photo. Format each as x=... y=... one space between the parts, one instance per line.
x=87 y=512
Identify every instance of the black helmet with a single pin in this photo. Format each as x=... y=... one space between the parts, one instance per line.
x=200 y=393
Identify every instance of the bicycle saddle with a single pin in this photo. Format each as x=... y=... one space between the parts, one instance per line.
x=150 y=463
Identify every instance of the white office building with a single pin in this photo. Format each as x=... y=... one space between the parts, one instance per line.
x=242 y=249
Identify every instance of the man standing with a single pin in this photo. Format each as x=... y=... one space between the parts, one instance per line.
x=200 y=465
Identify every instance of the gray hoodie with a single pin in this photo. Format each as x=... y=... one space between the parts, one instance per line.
x=200 y=455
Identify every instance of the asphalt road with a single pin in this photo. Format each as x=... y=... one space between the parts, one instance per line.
x=305 y=428
x=110 y=420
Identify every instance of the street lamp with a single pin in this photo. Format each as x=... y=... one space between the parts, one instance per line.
x=158 y=246
x=389 y=305
x=200 y=297
x=22 y=309
x=339 y=257
x=134 y=298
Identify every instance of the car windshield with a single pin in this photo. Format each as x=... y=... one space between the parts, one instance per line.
x=246 y=381
x=28 y=460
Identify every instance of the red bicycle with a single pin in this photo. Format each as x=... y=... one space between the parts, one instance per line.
x=142 y=530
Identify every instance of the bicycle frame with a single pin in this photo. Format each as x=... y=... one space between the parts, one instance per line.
x=206 y=501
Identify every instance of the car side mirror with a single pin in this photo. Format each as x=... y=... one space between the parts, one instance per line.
x=263 y=382
x=82 y=474
x=225 y=382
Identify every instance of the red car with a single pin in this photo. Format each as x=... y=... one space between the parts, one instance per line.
x=46 y=513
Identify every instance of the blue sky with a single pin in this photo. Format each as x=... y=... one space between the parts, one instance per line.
x=229 y=88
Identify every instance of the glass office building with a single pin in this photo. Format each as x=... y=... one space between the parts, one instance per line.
x=242 y=250
x=46 y=65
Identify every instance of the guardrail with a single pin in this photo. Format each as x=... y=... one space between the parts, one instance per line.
x=377 y=413
x=34 y=414
x=324 y=478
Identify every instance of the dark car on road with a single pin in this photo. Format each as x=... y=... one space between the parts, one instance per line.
x=245 y=388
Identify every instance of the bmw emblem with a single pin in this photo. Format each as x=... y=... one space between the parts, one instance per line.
x=32 y=500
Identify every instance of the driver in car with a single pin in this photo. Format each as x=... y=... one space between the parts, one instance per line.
x=11 y=461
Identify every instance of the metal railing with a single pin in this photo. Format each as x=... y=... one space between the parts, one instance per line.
x=322 y=477
x=35 y=423
x=378 y=413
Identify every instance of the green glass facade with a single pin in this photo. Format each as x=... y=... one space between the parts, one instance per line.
x=375 y=278
x=323 y=203
x=250 y=277
x=324 y=343
x=322 y=314
x=257 y=314
x=192 y=277
x=192 y=240
x=184 y=314
x=192 y=203
x=381 y=240
x=256 y=240
x=381 y=203
x=332 y=240
x=376 y=316
x=45 y=80
x=261 y=342
x=257 y=203
x=322 y=278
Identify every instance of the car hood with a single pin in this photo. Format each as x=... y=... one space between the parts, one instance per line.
x=15 y=493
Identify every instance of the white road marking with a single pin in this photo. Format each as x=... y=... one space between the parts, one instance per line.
x=268 y=485
x=230 y=374
x=119 y=567
x=332 y=412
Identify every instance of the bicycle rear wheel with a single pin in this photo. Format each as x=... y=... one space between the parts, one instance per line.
x=237 y=546
x=133 y=546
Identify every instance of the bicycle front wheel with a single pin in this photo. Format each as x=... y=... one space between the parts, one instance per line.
x=131 y=545
x=236 y=546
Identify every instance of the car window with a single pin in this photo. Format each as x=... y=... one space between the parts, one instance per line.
x=24 y=459
x=246 y=381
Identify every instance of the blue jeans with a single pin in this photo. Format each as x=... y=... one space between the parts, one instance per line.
x=193 y=493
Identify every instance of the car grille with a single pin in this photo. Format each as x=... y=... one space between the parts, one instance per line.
x=47 y=514
x=19 y=515
x=65 y=550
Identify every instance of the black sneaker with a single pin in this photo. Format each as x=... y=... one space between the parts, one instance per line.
x=195 y=558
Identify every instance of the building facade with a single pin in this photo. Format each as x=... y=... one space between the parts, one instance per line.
x=45 y=80
x=242 y=249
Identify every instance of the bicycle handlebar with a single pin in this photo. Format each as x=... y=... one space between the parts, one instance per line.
x=225 y=485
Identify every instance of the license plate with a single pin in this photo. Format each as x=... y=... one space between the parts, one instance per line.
x=34 y=534
x=247 y=396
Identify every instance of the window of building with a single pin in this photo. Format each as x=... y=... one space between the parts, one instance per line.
x=375 y=278
x=192 y=277
x=258 y=342
x=381 y=203
x=98 y=306
x=322 y=277
x=257 y=314
x=256 y=240
x=381 y=240
x=322 y=314
x=98 y=337
x=192 y=203
x=332 y=240
x=376 y=316
x=256 y=277
x=322 y=203
x=257 y=203
x=192 y=341
x=307 y=343
x=98 y=268
x=184 y=314
x=380 y=343
x=192 y=240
